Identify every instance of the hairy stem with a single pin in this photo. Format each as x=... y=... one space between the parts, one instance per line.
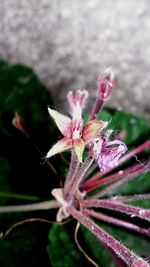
x=118 y=222
x=74 y=165
x=122 y=181
x=131 y=171
x=131 y=197
x=45 y=205
x=96 y=108
x=125 y=254
x=91 y=169
x=117 y=206
x=78 y=177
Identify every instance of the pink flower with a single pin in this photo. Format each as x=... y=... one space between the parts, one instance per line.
x=107 y=153
x=76 y=135
x=77 y=97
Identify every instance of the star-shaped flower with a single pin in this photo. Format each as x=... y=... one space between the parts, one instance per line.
x=76 y=135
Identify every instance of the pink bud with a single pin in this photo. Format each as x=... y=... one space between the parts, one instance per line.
x=106 y=84
x=17 y=122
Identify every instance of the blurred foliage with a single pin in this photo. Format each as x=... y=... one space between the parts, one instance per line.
x=23 y=179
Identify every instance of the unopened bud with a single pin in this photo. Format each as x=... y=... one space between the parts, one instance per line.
x=106 y=84
x=17 y=122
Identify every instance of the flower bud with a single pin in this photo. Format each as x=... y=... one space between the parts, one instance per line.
x=105 y=84
x=17 y=122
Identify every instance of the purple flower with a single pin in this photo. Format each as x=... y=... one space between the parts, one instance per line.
x=107 y=153
x=110 y=154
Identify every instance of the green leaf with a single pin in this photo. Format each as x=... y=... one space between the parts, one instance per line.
x=133 y=126
x=21 y=91
x=25 y=246
x=139 y=185
x=96 y=249
x=63 y=251
x=104 y=115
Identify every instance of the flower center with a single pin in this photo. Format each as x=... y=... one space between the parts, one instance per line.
x=77 y=130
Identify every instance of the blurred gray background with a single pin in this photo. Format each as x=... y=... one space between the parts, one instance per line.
x=68 y=43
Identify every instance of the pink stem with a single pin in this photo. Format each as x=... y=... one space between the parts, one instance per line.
x=134 y=170
x=97 y=107
x=131 y=197
x=134 y=151
x=122 y=181
x=78 y=178
x=92 y=169
x=118 y=222
x=74 y=165
x=123 y=159
x=116 y=206
x=124 y=253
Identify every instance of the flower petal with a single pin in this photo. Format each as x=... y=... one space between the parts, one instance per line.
x=62 y=122
x=91 y=129
x=79 y=148
x=109 y=156
x=59 y=147
x=74 y=97
x=77 y=112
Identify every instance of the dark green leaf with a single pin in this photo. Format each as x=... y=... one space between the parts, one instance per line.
x=139 y=185
x=63 y=251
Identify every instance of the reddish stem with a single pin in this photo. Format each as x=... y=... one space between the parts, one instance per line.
x=74 y=165
x=131 y=171
x=121 y=181
x=77 y=178
x=125 y=254
x=116 y=206
x=97 y=107
x=118 y=222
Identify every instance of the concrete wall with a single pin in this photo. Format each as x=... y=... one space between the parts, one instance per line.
x=68 y=43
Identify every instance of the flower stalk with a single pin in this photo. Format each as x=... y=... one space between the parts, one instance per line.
x=105 y=87
x=118 y=222
x=117 y=206
x=45 y=205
